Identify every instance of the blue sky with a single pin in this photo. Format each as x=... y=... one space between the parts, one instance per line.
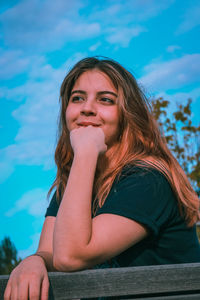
x=159 y=41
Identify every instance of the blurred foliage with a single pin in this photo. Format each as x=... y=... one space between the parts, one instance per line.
x=8 y=256
x=182 y=136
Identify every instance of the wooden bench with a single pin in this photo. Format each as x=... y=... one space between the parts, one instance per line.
x=166 y=282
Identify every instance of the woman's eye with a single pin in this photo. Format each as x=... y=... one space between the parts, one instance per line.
x=107 y=100
x=76 y=99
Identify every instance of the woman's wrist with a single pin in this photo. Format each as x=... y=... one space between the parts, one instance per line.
x=86 y=153
x=47 y=259
x=38 y=255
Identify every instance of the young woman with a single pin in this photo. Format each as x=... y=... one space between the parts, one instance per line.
x=121 y=197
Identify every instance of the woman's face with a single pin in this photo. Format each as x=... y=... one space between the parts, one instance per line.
x=93 y=101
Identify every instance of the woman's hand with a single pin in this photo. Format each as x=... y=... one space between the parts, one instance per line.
x=88 y=139
x=29 y=280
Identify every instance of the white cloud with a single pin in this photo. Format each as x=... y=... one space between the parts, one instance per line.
x=54 y=24
x=173 y=48
x=6 y=168
x=182 y=96
x=73 y=31
x=128 y=12
x=191 y=19
x=123 y=36
x=34 y=202
x=41 y=76
x=95 y=46
x=144 y=10
x=49 y=26
x=172 y=74
x=37 y=117
x=123 y=21
x=12 y=63
x=32 y=152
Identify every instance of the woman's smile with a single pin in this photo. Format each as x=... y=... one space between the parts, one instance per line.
x=88 y=123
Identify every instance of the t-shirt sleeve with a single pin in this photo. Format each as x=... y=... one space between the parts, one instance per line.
x=52 y=209
x=144 y=196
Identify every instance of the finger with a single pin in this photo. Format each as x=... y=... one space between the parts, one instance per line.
x=23 y=291
x=13 y=292
x=34 y=289
x=45 y=289
x=7 y=293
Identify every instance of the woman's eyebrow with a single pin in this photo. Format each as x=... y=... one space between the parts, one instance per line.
x=78 y=91
x=107 y=92
x=98 y=93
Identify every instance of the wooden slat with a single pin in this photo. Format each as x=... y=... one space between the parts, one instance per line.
x=126 y=281
x=143 y=282
x=177 y=297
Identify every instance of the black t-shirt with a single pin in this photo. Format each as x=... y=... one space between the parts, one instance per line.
x=145 y=196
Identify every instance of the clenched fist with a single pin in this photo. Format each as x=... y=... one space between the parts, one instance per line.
x=88 y=139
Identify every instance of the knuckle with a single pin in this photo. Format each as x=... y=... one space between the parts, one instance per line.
x=21 y=277
x=34 y=295
x=34 y=277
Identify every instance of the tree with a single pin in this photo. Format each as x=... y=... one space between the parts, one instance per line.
x=8 y=256
x=182 y=136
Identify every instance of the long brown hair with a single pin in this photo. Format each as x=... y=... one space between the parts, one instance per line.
x=140 y=141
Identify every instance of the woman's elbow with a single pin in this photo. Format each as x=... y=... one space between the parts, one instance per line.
x=67 y=264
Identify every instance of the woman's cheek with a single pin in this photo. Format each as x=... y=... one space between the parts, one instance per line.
x=68 y=120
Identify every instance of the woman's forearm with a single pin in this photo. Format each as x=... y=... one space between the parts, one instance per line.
x=73 y=226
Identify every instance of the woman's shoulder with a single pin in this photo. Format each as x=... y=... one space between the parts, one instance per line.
x=146 y=182
x=143 y=172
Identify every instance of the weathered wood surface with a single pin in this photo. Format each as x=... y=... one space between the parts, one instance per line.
x=167 y=282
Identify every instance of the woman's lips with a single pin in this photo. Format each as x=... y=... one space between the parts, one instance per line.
x=88 y=124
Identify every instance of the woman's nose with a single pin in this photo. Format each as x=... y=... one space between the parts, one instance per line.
x=89 y=108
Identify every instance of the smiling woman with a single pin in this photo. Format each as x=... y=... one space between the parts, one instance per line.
x=121 y=198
